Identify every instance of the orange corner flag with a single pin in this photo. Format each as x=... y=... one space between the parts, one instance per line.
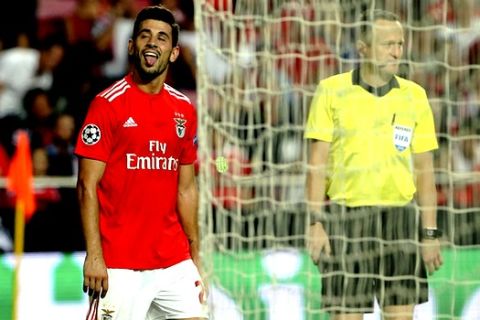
x=20 y=175
x=20 y=181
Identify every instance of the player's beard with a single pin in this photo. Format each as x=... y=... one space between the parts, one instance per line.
x=148 y=74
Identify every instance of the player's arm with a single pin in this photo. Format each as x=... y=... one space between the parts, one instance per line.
x=317 y=240
x=95 y=278
x=187 y=204
x=427 y=200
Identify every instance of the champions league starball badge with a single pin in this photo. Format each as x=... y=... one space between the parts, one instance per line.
x=91 y=134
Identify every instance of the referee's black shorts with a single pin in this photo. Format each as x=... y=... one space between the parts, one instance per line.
x=375 y=253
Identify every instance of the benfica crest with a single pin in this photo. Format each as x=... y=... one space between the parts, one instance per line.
x=180 y=126
x=107 y=314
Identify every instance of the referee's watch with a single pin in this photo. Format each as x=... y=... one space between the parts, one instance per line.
x=431 y=233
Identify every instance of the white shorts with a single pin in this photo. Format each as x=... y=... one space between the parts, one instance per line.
x=158 y=294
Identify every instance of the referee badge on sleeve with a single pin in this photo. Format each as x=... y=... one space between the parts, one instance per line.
x=402 y=137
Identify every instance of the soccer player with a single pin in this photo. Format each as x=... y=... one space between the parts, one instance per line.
x=137 y=190
x=371 y=140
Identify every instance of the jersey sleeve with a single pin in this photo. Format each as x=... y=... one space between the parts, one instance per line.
x=424 y=138
x=319 y=124
x=189 y=152
x=94 y=140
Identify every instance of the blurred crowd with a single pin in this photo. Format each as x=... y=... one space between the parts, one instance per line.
x=57 y=54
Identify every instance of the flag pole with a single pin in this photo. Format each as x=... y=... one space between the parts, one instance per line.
x=18 y=250
x=20 y=182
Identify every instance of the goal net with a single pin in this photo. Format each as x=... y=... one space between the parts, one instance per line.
x=259 y=62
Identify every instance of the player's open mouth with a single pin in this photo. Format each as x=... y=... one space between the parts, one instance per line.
x=150 y=58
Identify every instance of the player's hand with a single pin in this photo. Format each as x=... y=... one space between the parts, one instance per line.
x=95 y=277
x=431 y=254
x=203 y=294
x=317 y=242
x=201 y=284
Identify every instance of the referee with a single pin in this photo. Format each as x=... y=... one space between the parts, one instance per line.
x=372 y=135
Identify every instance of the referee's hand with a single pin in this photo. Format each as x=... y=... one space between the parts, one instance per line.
x=431 y=254
x=317 y=242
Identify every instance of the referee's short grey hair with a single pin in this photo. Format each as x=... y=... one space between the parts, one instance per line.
x=368 y=17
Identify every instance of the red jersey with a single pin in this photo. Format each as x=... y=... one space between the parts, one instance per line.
x=143 y=139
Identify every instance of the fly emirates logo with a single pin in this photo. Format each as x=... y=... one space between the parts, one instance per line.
x=157 y=160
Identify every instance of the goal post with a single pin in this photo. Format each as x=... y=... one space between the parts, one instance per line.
x=258 y=64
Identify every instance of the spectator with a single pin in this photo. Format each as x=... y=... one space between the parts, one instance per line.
x=466 y=161
x=39 y=117
x=4 y=161
x=24 y=68
x=61 y=161
x=17 y=19
x=121 y=16
x=89 y=37
x=183 y=75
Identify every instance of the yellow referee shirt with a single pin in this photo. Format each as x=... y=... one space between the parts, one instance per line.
x=372 y=134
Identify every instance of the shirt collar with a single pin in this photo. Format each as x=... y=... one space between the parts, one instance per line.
x=378 y=91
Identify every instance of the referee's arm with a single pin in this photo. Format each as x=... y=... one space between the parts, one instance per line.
x=427 y=200
x=426 y=190
x=317 y=238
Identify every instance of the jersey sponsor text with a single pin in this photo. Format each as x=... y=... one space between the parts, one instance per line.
x=153 y=161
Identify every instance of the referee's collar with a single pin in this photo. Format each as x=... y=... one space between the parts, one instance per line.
x=378 y=91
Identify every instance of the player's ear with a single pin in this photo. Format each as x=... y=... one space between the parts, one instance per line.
x=130 y=47
x=174 y=54
x=361 y=48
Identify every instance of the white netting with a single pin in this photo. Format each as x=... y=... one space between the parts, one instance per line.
x=258 y=65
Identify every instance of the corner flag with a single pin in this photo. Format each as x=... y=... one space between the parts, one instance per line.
x=20 y=176
x=20 y=181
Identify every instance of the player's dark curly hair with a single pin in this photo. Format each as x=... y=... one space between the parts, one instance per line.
x=157 y=13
